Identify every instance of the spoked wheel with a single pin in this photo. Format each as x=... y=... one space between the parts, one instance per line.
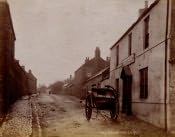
x=88 y=108
x=114 y=112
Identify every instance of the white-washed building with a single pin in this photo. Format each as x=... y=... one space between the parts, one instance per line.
x=142 y=66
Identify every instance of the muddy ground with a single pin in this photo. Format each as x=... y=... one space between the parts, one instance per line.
x=63 y=116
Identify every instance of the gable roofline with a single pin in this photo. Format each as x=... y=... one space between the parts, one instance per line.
x=91 y=60
x=137 y=21
x=9 y=15
x=98 y=74
x=11 y=22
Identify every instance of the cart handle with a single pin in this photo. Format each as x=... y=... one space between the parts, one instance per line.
x=108 y=86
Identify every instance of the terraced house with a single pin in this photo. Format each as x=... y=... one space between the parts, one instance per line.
x=15 y=82
x=142 y=65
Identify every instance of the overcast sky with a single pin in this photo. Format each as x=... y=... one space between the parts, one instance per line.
x=55 y=36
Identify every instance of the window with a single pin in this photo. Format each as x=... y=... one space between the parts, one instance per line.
x=117 y=55
x=117 y=85
x=144 y=83
x=129 y=44
x=146 y=32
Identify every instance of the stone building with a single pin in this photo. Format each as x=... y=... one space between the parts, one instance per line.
x=88 y=69
x=142 y=65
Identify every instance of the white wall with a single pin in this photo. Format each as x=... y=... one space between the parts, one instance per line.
x=152 y=108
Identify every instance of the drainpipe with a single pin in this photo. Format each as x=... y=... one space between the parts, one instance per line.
x=166 y=57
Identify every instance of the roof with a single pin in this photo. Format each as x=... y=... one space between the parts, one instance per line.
x=3 y=1
x=31 y=75
x=137 y=21
x=98 y=74
x=91 y=62
x=9 y=15
x=11 y=22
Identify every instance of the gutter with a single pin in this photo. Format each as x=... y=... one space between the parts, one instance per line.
x=166 y=57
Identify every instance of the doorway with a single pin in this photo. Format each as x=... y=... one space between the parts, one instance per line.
x=126 y=76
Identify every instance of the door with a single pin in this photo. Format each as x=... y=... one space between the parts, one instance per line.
x=127 y=96
x=127 y=91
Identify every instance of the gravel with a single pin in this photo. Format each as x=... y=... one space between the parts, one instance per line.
x=18 y=122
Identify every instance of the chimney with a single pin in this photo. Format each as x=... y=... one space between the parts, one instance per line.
x=97 y=52
x=17 y=61
x=107 y=59
x=23 y=67
x=70 y=77
x=142 y=10
x=30 y=71
x=87 y=59
x=146 y=4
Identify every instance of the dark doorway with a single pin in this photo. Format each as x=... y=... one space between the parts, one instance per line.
x=126 y=76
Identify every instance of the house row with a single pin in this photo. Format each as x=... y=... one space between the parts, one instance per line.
x=15 y=81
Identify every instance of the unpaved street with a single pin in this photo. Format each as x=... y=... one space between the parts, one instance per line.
x=63 y=116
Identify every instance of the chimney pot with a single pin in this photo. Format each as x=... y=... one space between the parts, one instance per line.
x=87 y=59
x=70 y=77
x=142 y=10
x=17 y=61
x=30 y=71
x=146 y=4
x=23 y=67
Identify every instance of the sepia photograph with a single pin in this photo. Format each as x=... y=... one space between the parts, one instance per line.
x=87 y=68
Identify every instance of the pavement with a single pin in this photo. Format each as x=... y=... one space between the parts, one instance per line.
x=49 y=115
x=18 y=122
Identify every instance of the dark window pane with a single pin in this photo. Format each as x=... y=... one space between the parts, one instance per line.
x=146 y=33
x=117 y=55
x=130 y=44
x=117 y=84
x=144 y=83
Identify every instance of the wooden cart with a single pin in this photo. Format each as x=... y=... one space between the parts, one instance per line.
x=102 y=99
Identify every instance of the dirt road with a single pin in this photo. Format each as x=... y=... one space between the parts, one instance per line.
x=63 y=116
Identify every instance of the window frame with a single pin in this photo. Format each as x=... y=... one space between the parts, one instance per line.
x=143 y=83
x=117 y=55
x=130 y=44
x=146 y=31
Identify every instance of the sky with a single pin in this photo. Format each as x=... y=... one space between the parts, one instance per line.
x=55 y=36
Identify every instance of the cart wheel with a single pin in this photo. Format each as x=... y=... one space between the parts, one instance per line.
x=114 y=112
x=88 y=108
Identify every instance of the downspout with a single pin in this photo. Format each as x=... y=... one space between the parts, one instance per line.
x=166 y=57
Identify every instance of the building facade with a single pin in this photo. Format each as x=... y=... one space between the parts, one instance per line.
x=14 y=80
x=142 y=66
x=87 y=70
x=7 y=39
x=32 y=82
